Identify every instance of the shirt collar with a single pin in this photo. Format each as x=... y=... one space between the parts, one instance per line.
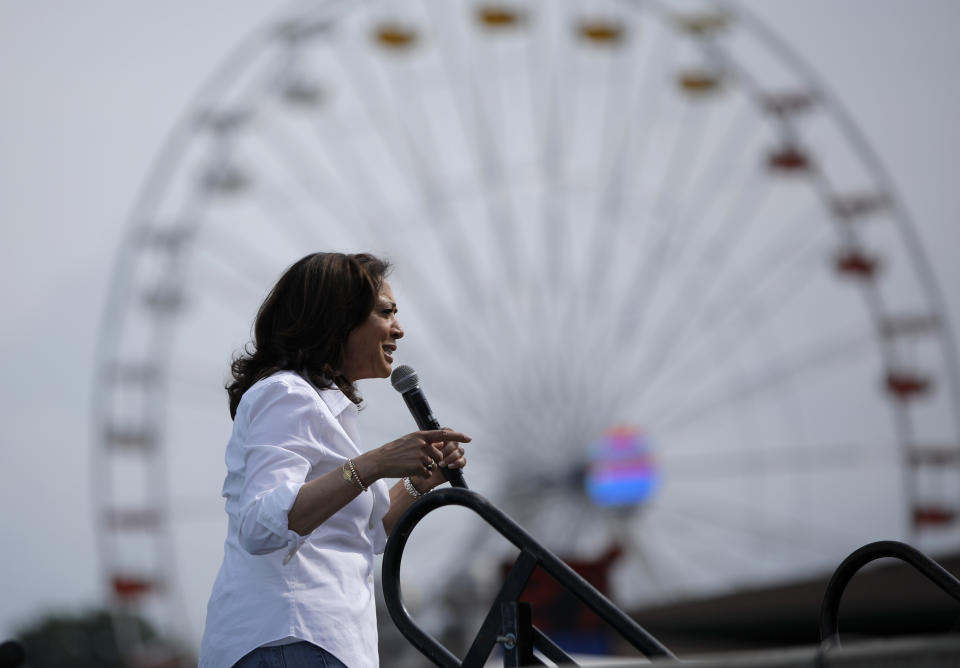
x=335 y=400
x=332 y=396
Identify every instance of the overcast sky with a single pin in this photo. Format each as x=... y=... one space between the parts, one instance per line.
x=90 y=90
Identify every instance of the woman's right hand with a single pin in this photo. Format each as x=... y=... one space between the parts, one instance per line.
x=416 y=454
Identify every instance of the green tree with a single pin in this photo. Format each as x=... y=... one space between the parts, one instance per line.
x=85 y=640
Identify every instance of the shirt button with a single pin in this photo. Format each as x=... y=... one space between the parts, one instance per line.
x=370 y=525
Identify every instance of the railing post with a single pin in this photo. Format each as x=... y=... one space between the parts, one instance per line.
x=532 y=554
x=517 y=634
x=829 y=609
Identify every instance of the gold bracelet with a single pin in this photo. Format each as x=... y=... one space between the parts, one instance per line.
x=350 y=475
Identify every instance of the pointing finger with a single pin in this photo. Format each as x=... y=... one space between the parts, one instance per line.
x=440 y=435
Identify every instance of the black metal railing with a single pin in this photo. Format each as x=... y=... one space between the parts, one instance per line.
x=508 y=622
x=829 y=610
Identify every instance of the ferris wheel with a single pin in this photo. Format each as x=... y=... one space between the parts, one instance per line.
x=642 y=257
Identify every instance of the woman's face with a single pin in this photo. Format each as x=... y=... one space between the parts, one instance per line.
x=370 y=347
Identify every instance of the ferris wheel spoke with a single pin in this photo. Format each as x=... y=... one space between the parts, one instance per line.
x=690 y=210
x=227 y=293
x=552 y=154
x=244 y=263
x=672 y=227
x=616 y=130
x=356 y=73
x=231 y=279
x=791 y=531
x=752 y=313
x=738 y=306
x=277 y=203
x=553 y=521
x=828 y=354
x=627 y=328
x=713 y=181
x=789 y=260
x=483 y=45
x=411 y=166
x=779 y=372
x=639 y=148
x=696 y=545
x=742 y=298
x=733 y=227
x=610 y=204
x=716 y=175
x=680 y=323
x=663 y=246
x=723 y=549
x=463 y=268
x=490 y=168
x=720 y=165
x=314 y=181
x=580 y=291
x=372 y=204
x=366 y=218
x=426 y=284
x=690 y=216
x=689 y=137
x=650 y=572
x=530 y=502
x=688 y=223
x=622 y=208
x=786 y=458
x=503 y=446
x=448 y=226
x=281 y=212
x=474 y=106
x=654 y=258
x=683 y=557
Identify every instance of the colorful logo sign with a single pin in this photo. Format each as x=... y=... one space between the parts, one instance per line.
x=621 y=472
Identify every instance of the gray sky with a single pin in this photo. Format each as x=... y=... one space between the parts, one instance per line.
x=90 y=91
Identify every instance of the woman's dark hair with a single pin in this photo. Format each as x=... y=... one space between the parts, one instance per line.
x=303 y=323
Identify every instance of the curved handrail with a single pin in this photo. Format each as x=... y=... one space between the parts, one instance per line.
x=531 y=551
x=829 y=609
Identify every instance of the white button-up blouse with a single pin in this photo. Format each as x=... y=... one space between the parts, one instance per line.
x=275 y=584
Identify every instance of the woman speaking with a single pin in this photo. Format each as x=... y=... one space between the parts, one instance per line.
x=307 y=507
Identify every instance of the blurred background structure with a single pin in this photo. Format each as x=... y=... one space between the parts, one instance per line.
x=691 y=296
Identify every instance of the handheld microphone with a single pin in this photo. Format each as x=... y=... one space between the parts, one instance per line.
x=405 y=381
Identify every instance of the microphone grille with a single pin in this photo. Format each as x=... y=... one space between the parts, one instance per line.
x=404 y=378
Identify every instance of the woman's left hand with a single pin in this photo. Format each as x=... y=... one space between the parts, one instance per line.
x=453 y=457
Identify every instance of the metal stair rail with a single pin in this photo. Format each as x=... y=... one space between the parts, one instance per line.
x=829 y=609
x=508 y=621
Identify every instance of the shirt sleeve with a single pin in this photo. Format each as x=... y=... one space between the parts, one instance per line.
x=279 y=450
x=381 y=505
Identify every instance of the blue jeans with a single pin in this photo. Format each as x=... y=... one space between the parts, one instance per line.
x=295 y=655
